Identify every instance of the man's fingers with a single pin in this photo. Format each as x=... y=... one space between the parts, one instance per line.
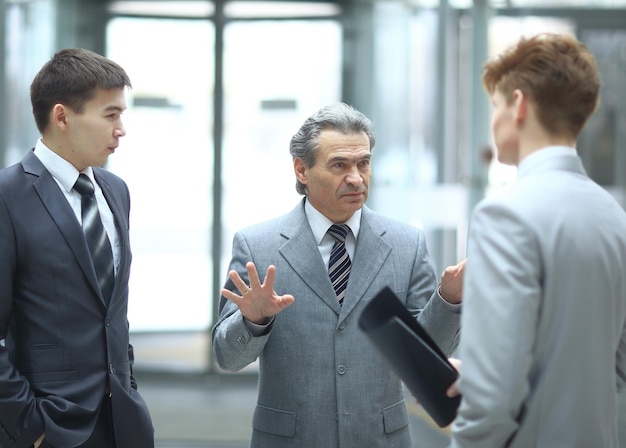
x=270 y=276
x=452 y=391
x=253 y=275
x=459 y=268
x=284 y=301
x=239 y=283
x=236 y=299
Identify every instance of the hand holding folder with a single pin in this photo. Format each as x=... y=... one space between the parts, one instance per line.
x=412 y=353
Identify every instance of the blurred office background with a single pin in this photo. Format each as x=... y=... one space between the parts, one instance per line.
x=219 y=88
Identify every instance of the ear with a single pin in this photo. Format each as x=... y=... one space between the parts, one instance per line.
x=520 y=104
x=58 y=116
x=300 y=168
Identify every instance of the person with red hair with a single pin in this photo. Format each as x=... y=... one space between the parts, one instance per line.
x=543 y=329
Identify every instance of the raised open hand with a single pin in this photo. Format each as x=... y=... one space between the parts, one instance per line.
x=258 y=302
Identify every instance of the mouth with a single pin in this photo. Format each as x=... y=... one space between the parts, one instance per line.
x=354 y=195
x=353 y=192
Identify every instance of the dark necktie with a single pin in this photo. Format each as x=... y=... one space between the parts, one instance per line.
x=339 y=263
x=96 y=236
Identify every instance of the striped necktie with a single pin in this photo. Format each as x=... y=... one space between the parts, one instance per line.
x=96 y=236
x=339 y=263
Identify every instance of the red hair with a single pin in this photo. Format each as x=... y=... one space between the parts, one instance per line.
x=556 y=72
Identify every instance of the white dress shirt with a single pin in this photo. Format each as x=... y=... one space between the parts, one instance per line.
x=320 y=224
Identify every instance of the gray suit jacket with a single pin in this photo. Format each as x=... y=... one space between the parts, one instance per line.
x=321 y=383
x=64 y=346
x=543 y=339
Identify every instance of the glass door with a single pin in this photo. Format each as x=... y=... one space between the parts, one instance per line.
x=167 y=160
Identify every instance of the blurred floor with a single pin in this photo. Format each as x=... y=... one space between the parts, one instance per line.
x=195 y=409
x=192 y=409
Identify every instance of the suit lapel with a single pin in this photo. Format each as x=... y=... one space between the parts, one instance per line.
x=63 y=216
x=369 y=257
x=302 y=254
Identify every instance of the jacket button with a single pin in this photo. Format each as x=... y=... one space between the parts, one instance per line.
x=341 y=369
x=111 y=369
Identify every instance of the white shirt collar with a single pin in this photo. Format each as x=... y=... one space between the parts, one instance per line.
x=547 y=152
x=62 y=170
x=320 y=223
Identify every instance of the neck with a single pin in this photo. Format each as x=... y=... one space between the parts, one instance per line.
x=535 y=141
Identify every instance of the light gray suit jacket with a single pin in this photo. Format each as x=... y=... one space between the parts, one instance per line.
x=321 y=383
x=543 y=339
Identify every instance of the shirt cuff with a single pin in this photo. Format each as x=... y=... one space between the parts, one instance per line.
x=456 y=307
x=259 y=329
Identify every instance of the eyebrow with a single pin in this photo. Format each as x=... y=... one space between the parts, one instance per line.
x=344 y=158
x=113 y=107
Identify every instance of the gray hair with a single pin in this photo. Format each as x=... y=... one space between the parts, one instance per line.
x=337 y=117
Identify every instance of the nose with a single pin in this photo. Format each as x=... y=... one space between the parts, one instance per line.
x=354 y=177
x=120 y=131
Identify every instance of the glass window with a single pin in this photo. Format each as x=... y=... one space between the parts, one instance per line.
x=273 y=9
x=570 y=4
x=29 y=42
x=603 y=138
x=167 y=160
x=163 y=9
x=276 y=74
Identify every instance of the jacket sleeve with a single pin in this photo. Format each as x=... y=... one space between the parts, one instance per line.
x=440 y=318
x=502 y=296
x=234 y=346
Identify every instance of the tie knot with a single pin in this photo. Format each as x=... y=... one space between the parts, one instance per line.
x=83 y=185
x=339 y=232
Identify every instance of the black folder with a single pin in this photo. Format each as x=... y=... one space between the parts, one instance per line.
x=412 y=353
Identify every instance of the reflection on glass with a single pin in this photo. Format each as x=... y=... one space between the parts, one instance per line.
x=166 y=158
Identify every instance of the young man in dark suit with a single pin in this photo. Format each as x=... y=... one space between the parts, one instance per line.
x=66 y=361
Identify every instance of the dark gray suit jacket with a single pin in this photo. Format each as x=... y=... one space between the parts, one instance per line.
x=322 y=383
x=64 y=347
